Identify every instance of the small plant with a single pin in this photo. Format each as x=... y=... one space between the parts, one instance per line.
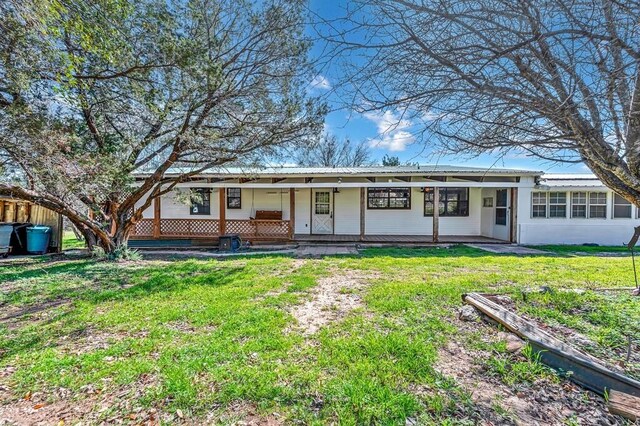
x=120 y=253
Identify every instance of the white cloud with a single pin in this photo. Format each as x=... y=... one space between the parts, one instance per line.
x=320 y=82
x=393 y=131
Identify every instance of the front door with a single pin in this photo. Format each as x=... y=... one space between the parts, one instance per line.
x=322 y=212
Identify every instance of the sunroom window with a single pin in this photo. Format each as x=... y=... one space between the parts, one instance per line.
x=579 y=205
x=621 y=207
x=598 y=205
x=538 y=204
x=557 y=204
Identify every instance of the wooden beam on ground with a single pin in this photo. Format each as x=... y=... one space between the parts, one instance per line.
x=156 y=217
x=362 y=213
x=624 y=405
x=222 y=227
x=436 y=214
x=292 y=213
x=578 y=366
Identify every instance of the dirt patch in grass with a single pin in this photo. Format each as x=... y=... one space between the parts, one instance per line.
x=241 y=414
x=547 y=400
x=87 y=406
x=331 y=300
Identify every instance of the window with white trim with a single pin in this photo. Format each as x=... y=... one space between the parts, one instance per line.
x=621 y=207
x=597 y=205
x=557 y=204
x=579 y=205
x=538 y=204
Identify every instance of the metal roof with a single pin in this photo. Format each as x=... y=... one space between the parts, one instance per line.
x=571 y=180
x=353 y=171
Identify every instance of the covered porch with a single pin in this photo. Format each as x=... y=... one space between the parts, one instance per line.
x=396 y=239
x=429 y=208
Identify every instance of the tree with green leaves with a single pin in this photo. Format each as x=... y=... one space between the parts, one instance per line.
x=390 y=161
x=91 y=92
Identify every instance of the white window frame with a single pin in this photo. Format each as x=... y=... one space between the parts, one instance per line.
x=550 y=203
x=585 y=204
x=546 y=204
x=614 y=204
x=606 y=197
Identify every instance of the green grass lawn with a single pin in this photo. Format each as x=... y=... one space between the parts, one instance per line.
x=209 y=339
x=70 y=242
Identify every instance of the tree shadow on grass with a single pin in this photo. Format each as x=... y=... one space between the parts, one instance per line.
x=59 y=312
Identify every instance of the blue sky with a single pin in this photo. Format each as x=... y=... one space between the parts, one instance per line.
x=386 y=133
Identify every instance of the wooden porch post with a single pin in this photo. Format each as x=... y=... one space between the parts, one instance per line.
x=292 y=213
x=362 y=214
x=222 y=228
x=436 y=214
x=156 y=217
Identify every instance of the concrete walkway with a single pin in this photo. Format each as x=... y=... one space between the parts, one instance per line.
x=302 y=251
x=507 y=249
x=325 y=250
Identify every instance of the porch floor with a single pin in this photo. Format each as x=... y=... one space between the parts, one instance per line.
x=396 y=239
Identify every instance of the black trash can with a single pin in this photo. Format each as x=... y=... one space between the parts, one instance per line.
x=18 y=240
x=229 y=242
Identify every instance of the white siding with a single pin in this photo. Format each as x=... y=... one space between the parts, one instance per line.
x=303 y=204
x=569 y=230
x=148 y=212
x=346 y=212
x=488 y=215
x=171 y=208
x=413 y=222
x=260 y=199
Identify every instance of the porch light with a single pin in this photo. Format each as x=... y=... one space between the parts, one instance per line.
x=339 y=180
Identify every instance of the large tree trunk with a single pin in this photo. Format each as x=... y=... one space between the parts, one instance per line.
x=109 y=230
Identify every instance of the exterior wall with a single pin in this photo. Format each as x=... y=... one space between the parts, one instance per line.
x=346 y=212
x=413 y=221
x=252 y=200
x=569 y=230
x=488 y=214
x=303 y=212
x=257 y=199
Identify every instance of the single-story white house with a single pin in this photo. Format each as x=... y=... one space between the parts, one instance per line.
x=388 y=204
